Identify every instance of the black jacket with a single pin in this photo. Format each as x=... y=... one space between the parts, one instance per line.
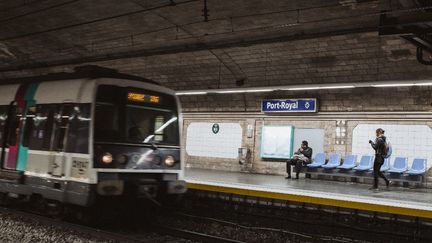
x=378 y=146
x=307 y=152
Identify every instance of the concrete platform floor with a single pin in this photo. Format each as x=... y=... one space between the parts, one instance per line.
x=352 y=195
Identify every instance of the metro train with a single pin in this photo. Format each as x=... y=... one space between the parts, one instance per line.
x=76 y=137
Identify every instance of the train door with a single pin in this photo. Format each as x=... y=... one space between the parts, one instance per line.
x=3 y=119
x=13 y=125
x=14 y=128
x=16 y=159
x=59 y=139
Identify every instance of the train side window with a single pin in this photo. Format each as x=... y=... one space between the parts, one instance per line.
x=29 y=125
x=3 y=117
x=159 y=135
x=61 y=120
x=78 y=135
x=48 y=112
x=40 y=136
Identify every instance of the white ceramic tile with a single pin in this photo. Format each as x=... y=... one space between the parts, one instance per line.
x=412 y=141
x=201 y=141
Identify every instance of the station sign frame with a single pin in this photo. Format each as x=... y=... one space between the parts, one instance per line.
x=295 y=105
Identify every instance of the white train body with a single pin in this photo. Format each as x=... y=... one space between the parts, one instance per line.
x=75 y=140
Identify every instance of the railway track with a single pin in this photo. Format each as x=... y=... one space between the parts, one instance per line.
x=129 y=236
x=299 y=223
x=91 y=231
x=196 y=236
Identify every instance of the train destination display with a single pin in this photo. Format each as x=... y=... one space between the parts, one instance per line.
x=139 y=97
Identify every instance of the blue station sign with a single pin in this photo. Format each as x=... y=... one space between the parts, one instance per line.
x=289 y=105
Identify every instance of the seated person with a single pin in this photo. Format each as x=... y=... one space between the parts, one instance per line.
x=302 y=157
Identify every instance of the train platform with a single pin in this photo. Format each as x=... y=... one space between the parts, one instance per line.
x=395 y=200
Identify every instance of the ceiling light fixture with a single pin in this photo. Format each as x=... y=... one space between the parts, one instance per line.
x=258 y=90
x=308 y=87
x=423 y=84
x=191 y=93
x=391 y=85
x=243 y=91
x=229 y=91
x=323 y=87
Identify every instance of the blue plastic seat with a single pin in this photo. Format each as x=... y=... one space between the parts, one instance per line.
x=333 y=162
x=318 y=161
x=400 y=165
x=386 y=165
x=418 y=167
x=349 y=162
x=366 y=163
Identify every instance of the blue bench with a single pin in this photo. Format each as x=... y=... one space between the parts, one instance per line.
x=353 y=171
x=319 y=166
x=386 y=166
x=334 y=161
x=418 y=167
x=400 y=165
x=366 y=164
x=318 y=161
x=348 y=163
x=398 y=171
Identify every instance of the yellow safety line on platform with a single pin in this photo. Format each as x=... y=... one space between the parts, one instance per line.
x=316 y=200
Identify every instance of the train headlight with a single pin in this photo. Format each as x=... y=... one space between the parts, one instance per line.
x=169 y=160
x=107 y=158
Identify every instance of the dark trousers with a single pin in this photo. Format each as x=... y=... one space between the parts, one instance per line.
x=298 y=164
x=379 y=160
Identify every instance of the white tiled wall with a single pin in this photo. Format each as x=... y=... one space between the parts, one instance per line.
x=201 y=141
x=412 y=141
x=315 y=138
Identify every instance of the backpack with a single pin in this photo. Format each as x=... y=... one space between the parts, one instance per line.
x=387 y=149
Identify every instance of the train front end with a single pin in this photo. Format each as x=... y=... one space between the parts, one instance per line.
x=136 y=140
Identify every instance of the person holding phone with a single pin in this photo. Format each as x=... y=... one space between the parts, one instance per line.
x=380 y=152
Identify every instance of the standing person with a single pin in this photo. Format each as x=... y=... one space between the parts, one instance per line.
x=303 y=156
x=380 y=152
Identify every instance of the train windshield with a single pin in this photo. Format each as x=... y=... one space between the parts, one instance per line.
x=130 y=115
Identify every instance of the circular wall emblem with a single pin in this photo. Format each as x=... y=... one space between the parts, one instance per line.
x=215 y=128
